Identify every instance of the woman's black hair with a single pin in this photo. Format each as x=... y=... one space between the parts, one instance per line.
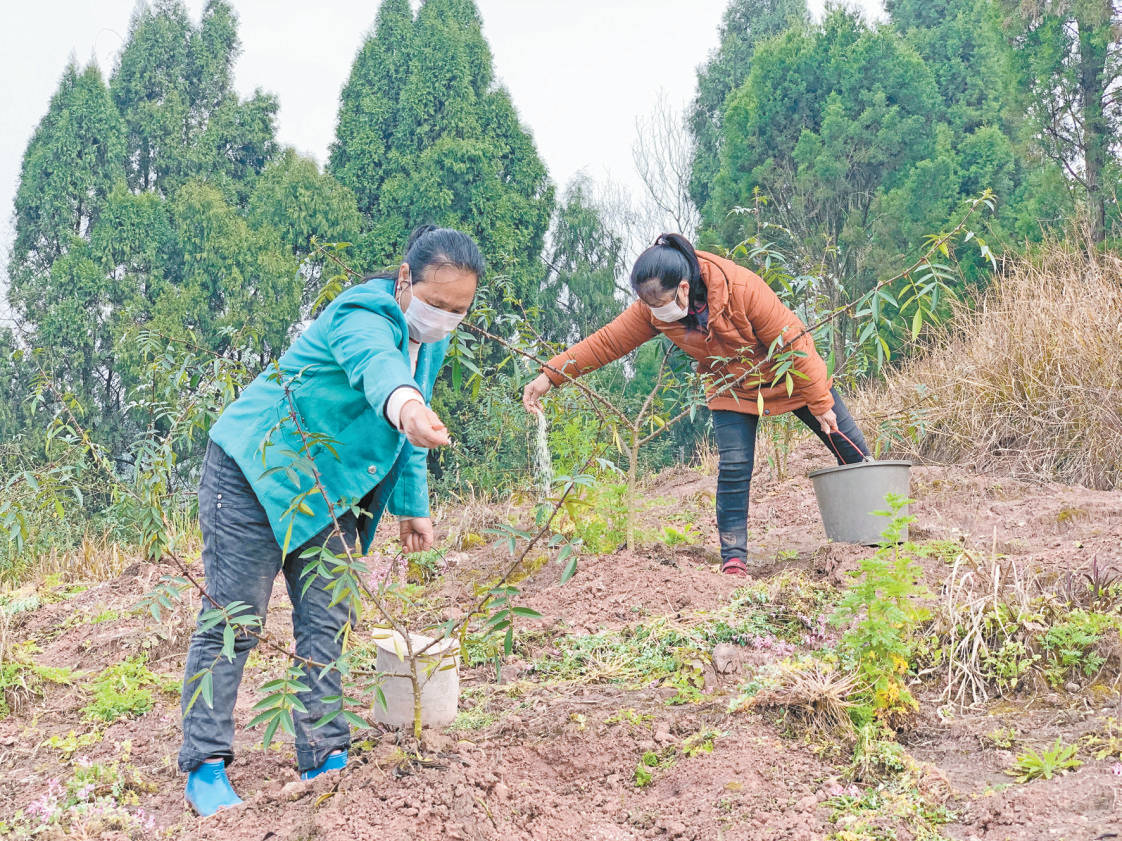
x=429 y=245
x=668 y=261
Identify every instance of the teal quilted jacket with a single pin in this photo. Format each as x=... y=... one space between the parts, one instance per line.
x=338 y=373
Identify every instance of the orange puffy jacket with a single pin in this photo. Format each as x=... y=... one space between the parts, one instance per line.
x=745 y=317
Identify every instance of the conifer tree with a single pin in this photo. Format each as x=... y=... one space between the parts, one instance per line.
x=74 y=159
x=455 y=153
x=745 y=23
x=1067 y=56
x=173 y=85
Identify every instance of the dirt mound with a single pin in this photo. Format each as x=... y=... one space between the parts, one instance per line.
x=542 y=753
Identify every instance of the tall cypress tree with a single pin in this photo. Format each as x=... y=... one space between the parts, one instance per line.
x=73 y=162
x=745 y=23
x=1068 y=60
x=74 y=158
x=831 y=121
x=585 y=258
x=173 y=86
x=455 y=151
x=138 y=205
x=988 y=145
x=369 y=103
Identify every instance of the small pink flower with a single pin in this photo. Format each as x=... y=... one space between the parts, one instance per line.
x=1117 y=768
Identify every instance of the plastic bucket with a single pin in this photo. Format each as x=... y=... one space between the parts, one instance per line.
x=438 y=671
x=849 y=494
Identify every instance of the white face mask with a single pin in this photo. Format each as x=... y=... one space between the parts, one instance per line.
x=428 y=323
x=670 y=312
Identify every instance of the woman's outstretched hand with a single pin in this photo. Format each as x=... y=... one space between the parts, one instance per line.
x=829 y=421
x=422 y=426
x=533 y=393
x=416 y=534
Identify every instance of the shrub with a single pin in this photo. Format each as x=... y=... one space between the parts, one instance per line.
x=1029 y=383
x=884 y=600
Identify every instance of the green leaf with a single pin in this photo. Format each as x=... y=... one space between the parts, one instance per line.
x=268 y=715
x=570 y=569
x=270 y=731
x=327 y=719
x=356 y=720
x=228 y=643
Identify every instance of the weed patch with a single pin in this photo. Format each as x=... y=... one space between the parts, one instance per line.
x=814 y=697
x=72 y=742
x=1070 y=645
x=653 y=762
x=630 y=657
x=996 y=629
x=881 y=811
x=98 y=800
x=22 y=679
x=1045 y=764
x=125 y=690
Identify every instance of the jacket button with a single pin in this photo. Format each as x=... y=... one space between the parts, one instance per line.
x=767 y=411
x=372 y=469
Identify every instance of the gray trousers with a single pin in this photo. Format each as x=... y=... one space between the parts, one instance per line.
x=241 y=558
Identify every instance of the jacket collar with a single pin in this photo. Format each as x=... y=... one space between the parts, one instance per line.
x=424 y=358
x=716 y=279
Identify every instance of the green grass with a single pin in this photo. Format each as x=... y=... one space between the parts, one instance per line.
x=125 y=690
x=1071 y=645
x=783 y=609
x=21 y=674
x=627 y=657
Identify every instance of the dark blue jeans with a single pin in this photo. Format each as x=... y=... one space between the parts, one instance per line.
x=241 y=557
x=736 y=447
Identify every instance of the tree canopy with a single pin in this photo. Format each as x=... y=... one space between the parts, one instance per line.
x=425 y=135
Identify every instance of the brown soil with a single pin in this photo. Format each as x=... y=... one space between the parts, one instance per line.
x=557 y=761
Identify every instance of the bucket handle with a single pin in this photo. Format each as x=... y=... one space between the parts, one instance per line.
x=829 y=437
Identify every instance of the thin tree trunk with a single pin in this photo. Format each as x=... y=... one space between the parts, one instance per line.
x=1092 y=70
x=632 y=471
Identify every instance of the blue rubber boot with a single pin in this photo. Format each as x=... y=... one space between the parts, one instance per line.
x=208 y=788
x=335 y=761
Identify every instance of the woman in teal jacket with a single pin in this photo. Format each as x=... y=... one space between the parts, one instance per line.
x=361 y=374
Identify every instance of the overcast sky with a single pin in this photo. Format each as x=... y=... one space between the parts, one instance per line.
x=579 y=71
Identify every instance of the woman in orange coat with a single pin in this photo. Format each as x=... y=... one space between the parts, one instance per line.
x=726 y=318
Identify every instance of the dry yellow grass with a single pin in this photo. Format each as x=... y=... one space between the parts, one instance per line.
x=815 y=698
x=1027 y=384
